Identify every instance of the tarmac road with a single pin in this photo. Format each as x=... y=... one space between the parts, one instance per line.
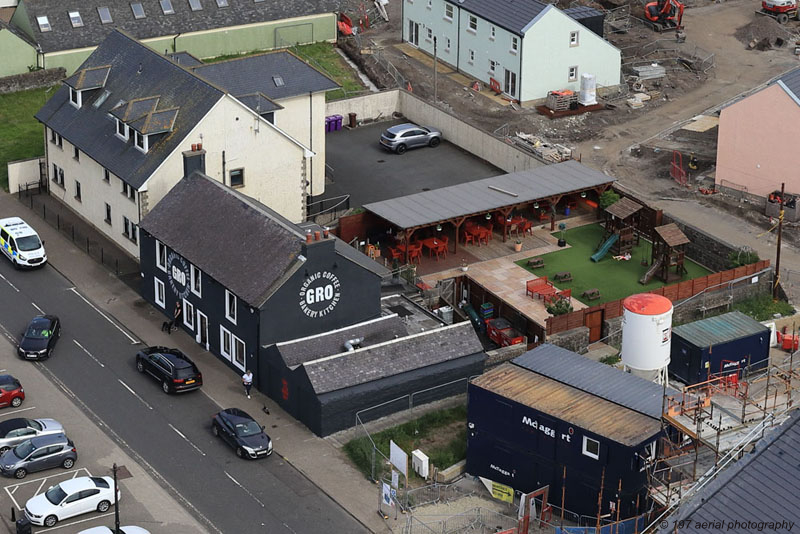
x=169 y=435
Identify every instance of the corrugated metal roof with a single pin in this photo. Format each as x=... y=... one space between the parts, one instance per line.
x=719 y=329
x=569 y=404
x=763 y=486
x=595 y=378
x=489 y=194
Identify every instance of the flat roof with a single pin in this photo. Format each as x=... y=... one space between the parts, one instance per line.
x=482 y=196
x=720 y=329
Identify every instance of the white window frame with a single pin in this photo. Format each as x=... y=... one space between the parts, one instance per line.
x=229 y=349
x=492 y=33
x=472 y=25
x=589 y=453
x=429 y=36
x=235 y=344
x=228 y=315
x=133 y=10
x=514 y=44
x=471 y=56
x=104 y=10
x=44 y=24
x=447 y=41
x=159 y=285
x=430 y=4
x=161 y=247
x=223 y=350
x=196 y=275
x=124 y=136
x=572 y=74
x=448 y=12
x=140 y=141
x=75 y=97
x=188 y=315
x=492 y=66
x=166 y=7
x=574 y=38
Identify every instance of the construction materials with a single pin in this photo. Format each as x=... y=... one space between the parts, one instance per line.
x=652 y=71
x=562 y=100
x=548 y=152
x=588 y=94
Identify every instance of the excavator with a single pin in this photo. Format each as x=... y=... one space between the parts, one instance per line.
x=664 y=15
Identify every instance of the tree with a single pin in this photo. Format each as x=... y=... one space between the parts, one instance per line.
x=607 y=198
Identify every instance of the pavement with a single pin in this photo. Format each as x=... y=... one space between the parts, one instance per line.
x=317 y=459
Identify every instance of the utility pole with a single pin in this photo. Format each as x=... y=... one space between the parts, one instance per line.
x=778 y=253
x=116 y=502
x=435 y=88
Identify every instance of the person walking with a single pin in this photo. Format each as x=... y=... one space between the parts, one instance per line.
x=247 y=380
x=176 y=317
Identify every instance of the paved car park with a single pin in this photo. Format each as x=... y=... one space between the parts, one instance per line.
x=143 y=501
x=358 y=166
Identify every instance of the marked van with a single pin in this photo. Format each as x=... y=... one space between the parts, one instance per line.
x=21 y=244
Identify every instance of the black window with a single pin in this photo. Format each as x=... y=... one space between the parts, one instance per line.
x=99 y=482
x=76 y=153
x=106 y=175
x=88 y=493
x=237 y=178
x=77 y=190
x=108 y=213
x=74 y=497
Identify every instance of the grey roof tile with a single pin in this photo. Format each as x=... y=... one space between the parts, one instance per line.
x=513 y=15
x=720 y=329
x=791 y=81
x=185 y=59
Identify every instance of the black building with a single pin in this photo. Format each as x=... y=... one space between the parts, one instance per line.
x=553 y=417
x=247 y=277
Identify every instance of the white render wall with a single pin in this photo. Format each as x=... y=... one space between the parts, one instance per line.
x=433 y=17
x=294 y=120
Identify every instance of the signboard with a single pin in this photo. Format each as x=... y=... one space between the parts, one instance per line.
x=499 y=491
x=386 y=495
x=178 y=275
x=319 y=294
x=395 y=478
x=398 y=457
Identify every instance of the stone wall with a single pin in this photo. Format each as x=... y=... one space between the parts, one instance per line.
x=504 y=354
x=703 y=248
x=575 y=340
x=31 y=80
x=612 y=331
x=716 y=302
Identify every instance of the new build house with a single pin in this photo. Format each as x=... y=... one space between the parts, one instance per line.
x=527 y=46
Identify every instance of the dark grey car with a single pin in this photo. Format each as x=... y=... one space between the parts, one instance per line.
x=38 y=454
x=404 y=136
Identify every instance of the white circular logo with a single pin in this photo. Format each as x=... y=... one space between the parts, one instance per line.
x=178 y=274
x=319 y=294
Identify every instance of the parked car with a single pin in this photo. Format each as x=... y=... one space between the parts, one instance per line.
x=38 y=454
x=404 y=136
x=11 y=391
x=123 y=530
x=176 y=372
x=15 y=431
x=72 y=497
x=242 y=432
x=39 y=339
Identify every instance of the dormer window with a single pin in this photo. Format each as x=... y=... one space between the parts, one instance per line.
x=75 y=97
x=44 y=24
x=140 y=141
x=75 y=19
x=122 y=130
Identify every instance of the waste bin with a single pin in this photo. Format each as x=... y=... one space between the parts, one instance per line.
x=566 y=210
x=23 y=525
x=352 y=117
x=328 y=123
x=337 y=122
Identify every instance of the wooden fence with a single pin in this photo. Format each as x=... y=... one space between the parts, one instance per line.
x=674 y=292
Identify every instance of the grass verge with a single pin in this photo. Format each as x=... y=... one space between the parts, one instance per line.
x=20 y=134
x=762 y=307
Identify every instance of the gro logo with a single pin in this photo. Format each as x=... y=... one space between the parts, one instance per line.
x=178 y=274
x=319 y=294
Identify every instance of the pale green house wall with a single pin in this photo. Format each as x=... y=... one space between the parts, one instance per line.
x=17 y=54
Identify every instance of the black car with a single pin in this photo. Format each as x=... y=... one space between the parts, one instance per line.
x=241 y=432
x=40 y=337
x=176 y=372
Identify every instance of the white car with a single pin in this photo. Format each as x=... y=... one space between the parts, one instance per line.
x=123 y=530
x=72 y=497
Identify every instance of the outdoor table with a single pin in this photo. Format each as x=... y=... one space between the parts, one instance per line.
x=433 y=245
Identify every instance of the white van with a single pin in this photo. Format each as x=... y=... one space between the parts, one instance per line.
x=21 y=243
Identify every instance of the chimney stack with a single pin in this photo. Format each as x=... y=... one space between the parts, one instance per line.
x=308 y=236
x=325 y=232
x=316 y=235
x=194 y=160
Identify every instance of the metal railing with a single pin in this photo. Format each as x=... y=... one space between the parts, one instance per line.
x=327 y=210
x=436 y=493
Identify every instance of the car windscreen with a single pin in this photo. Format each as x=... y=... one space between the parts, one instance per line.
x=55 y=495
x=38 y=330
x=29 y=242
x=9 y=387
x=34 y=424
x=250 y=428
x=22 y=450
x=388 y=135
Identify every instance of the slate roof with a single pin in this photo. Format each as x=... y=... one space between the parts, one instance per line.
x=483 y=196
x=582 y=12
x=720 y=329
x=184 y=58
x=393 y=357
x=140 y=81
x=277 y=75
x=791 y=83
x=763 y=486
x=155 y=23
x=259 y=103
x=513 y=15
x=311 y=348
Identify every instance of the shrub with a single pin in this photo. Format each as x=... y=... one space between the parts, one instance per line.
x=610 y=360
x=559 y=307
x=762 y=307
x=738 y=258
x=607 y=198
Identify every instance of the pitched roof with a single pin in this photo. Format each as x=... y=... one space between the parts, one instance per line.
x=790 y=82
x=513 y=15
x=393 y=357
x=761 y=487
x=720 y=329
x=184 y=58
x=276 y=75
x=569 y=404
x=595 y=378
x=139 y=84
x=624 y=208
x=155 y=23
x=483 y=196
x=672 y=235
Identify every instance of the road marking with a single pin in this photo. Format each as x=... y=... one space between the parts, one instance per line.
x=12 y=488
x=76 y=522
x=9 y=283
x=106 y=317
x=18 y=411
x=245 y=490
x=98 y=362
x=134 y=393
x=37 y=307
x=186 y=439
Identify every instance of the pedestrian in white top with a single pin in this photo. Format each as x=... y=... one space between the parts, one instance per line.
x=247 y=380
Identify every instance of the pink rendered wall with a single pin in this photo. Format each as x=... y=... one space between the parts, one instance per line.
x=759 y=143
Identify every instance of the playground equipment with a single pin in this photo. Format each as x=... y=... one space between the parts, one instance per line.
x=668 y=252
x=622 y=219
x=597 y=256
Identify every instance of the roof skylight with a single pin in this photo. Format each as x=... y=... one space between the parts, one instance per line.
x=138 y=10
x=105 y=15
x=195 y=5
x=166 y=7
x=75 y=19
x=44 y=24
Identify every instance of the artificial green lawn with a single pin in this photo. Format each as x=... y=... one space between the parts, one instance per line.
x=615 y=279
x=20 y=134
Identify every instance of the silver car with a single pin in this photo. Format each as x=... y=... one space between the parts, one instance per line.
x=404 y=136
x=38 y=454
x=17 y=430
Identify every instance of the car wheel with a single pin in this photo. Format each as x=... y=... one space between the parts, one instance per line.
x=4 y=449
x=783 y=18
x=50 y=521
x=215 y=430
x=165 y=386
x=16 y=265
x=103 y=506
x=401 y=149
x=16 y=401
x=240 y=452
x=140 y=366
x=49 y=353
x=20 y=473
x=433 y=143
x=68 y=463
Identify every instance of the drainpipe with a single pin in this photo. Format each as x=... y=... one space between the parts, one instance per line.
x=175 y=43
x=224 y=178
x=519 y=76
x=458 y=41
x=311 y=138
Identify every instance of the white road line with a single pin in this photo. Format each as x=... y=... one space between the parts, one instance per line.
x=106 y=317
x=9 y=283
x=37 y=307
x=12 y=489
x=76 y=522
x=134 y=393
x=245 y=489
x=186 y=439
x=98 y=362
x=18 y=411
x=2 y=370
x=40 y=487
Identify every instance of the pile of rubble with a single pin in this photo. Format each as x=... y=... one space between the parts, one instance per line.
x=764 y=33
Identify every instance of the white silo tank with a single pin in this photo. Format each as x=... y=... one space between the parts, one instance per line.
x=588 y=94
x=646 y=335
